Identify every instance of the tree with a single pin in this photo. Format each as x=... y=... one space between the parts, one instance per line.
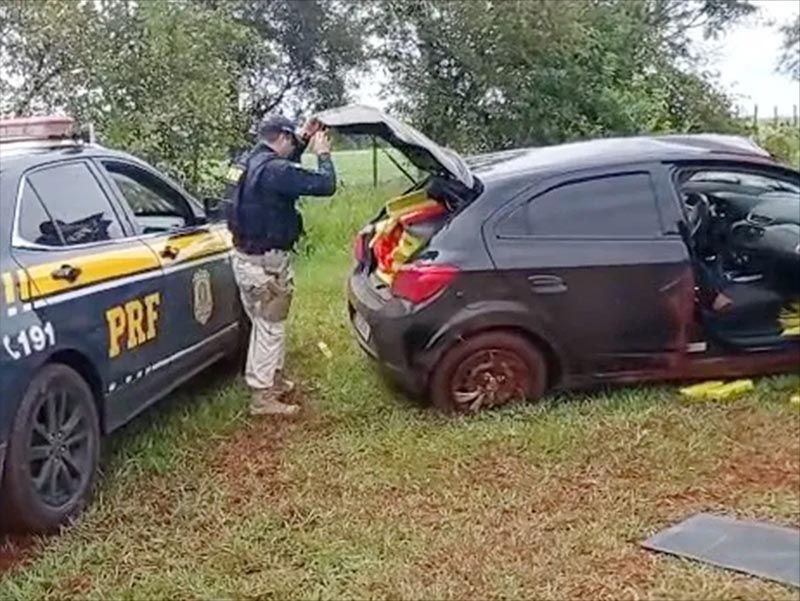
x=177 y=81
x=789 y=61
x=157 y=78
x=45 y=48
x=303 y=54
x=492 y=74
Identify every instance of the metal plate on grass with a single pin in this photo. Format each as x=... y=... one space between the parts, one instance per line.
x=756 y=548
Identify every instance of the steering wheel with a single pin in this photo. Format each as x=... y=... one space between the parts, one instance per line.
x=698 y=209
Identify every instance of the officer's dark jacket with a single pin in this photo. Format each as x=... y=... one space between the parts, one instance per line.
x=264 y=215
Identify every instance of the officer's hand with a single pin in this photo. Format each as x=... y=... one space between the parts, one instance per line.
x=310 y=127
x=321 y=143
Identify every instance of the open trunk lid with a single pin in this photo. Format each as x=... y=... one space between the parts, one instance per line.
x=389 y=244
x=423 y=152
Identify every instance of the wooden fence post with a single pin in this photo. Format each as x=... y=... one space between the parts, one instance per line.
x=794 y=115
x=755 y=118
x=374 y=162
x=775 y=116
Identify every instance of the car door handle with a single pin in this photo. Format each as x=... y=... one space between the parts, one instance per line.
x=66 y=272
x=170 y=252
x=547 y=284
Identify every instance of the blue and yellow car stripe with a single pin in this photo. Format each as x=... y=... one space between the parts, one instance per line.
x=8 y=288
x=37 y=282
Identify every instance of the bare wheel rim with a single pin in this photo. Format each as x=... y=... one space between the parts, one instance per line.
x=59 y=447
x=489 y=378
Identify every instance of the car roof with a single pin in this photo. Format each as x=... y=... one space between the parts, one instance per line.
x=602 y=152
x=24 y=154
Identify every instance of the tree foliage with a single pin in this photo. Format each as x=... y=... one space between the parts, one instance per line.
x=304 y=52
x=175 y=81
x=789 y=61
x=180 y=82
x=495 y=74
x=45 y=49
x=156 y=78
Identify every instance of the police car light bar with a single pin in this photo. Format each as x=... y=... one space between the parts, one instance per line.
x=36 y=128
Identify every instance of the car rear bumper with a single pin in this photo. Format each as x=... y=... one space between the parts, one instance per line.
x=385 y=341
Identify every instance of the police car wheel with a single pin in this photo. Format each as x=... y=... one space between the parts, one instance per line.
x=53 y=452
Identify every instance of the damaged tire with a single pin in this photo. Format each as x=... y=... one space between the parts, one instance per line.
x=488 y=370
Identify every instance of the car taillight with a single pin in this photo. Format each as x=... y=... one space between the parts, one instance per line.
x=417 y=283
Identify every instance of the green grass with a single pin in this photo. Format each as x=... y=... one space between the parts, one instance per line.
x=354 y=168
x=371 y=495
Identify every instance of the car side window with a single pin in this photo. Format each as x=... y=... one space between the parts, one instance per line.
x=618 y=206
x=156 y=206
x=35 y=225
x=65 y=205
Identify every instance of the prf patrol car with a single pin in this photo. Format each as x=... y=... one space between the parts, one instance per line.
x=115 y=287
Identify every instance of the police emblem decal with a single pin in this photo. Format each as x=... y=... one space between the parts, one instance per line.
x=203 y=297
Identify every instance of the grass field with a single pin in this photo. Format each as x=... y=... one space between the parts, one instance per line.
x=370 y=495
x=355 y=167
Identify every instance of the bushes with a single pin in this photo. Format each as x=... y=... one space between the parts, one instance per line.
x=783 y=141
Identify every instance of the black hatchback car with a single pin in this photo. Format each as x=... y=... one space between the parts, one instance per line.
x=612 y=260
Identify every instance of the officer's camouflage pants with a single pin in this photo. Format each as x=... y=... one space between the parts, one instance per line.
x=266 y=285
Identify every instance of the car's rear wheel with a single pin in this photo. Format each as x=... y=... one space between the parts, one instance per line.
x=488 y=370
x=53 y=452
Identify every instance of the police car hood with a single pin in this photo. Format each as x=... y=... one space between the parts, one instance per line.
x=423 y=152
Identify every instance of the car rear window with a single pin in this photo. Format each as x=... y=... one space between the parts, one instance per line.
x=618 y=206
x=65 y=205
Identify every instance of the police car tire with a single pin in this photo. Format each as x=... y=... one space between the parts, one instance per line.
x=21 y=508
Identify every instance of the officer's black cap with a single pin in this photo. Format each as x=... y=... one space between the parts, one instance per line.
x=273 y=124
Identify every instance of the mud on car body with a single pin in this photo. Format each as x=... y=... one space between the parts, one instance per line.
x=114 y=288
x=499 y=277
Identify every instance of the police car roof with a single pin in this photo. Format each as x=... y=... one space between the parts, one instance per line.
x=26 y=141
x=20 y=155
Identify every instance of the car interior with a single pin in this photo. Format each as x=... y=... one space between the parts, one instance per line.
x=155 y=207
x=743 y=233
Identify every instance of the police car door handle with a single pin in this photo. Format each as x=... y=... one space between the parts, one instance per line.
x=66 y=272
x=170 y=252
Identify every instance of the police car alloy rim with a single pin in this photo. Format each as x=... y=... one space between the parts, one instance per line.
x=58 y=451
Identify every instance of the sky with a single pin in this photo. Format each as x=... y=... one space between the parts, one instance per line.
x=746 y=56
x=743 y=60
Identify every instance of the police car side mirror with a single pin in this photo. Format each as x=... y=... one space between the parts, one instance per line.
x=214 y=208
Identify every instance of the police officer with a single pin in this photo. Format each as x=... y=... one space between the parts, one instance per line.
x=266 y=225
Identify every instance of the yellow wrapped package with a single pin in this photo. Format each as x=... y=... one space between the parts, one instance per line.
x=717 y=390
x=790 y=320
x=391 y=244
x=410 y=202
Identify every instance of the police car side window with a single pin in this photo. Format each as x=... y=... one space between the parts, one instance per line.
x=35 y=225
x=65 y=205
x=156 y=206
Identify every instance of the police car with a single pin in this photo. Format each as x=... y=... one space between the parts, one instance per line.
x=115 y=287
